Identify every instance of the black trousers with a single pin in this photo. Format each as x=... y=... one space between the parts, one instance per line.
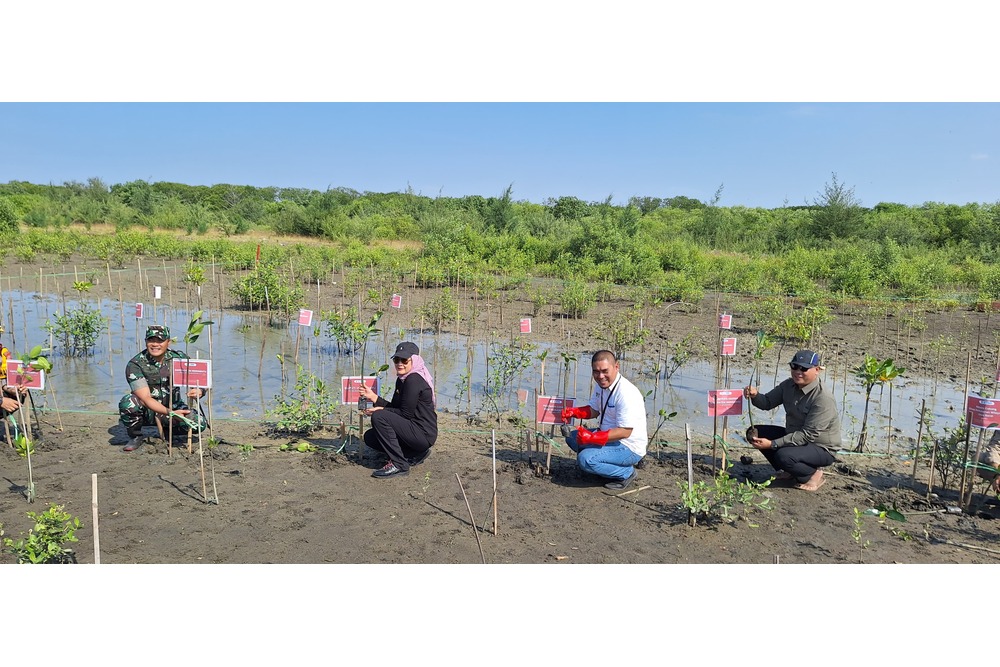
x=396 y=436
x=798 y=461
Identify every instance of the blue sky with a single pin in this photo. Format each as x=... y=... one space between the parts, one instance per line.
x=766 y=100
x=761 y=154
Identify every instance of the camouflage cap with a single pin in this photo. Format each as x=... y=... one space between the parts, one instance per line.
x=158 y=331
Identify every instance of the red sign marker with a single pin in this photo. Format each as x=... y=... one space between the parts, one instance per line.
x=31 y=378
x=397 y=301
x=350 y=387
x=549 y=408
x=725 y=321
x=725 y=402
x=189 y=373
x=984 y=412
x=305 y=318
x=525 y=325
x=138 y=311
x=728 y=347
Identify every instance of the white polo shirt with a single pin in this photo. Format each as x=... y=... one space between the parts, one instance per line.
x=622 y=406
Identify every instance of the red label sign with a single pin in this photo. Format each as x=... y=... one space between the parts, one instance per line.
x=397 y=301
x=30 y=378
x=138 y=311
x=525 y=325
x=984 y=412
x=350 y=387
x=549 y=408
x=725 y=321
x=191 y=373
x=728 y=347
x=725 y=402
x=305 y=318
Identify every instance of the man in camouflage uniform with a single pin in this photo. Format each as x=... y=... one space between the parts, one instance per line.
x=148 y=375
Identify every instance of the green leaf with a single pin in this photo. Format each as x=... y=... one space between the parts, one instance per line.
x=893 y=514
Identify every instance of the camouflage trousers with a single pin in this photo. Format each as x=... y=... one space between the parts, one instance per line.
x=133 y=415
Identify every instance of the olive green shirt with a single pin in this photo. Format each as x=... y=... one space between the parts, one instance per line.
x=811 y=415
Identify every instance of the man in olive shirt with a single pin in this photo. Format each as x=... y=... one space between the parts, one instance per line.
x=811 y=435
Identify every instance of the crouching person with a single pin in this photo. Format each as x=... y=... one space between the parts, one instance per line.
x=148 y=375
x=613 y=449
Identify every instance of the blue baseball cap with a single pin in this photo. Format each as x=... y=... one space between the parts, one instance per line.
x=806 y=359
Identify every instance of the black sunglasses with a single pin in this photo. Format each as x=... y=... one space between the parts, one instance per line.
x=796 y=367
x=399 y=360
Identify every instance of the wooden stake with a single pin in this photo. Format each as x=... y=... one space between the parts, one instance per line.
x=968 y=380
x=472 y=519
x=965 y=455
x=97 y=533
x=692 y=519
x=495 y=532
x=916 y=449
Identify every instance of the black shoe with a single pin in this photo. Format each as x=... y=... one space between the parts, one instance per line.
x=134 y=444
x=389 y=470
x=618 y=485
x=419 y=458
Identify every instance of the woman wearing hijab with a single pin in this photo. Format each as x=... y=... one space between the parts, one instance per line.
x=405 y=428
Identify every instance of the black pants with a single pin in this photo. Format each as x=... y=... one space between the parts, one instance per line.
x=397 y=437
x=798 y=461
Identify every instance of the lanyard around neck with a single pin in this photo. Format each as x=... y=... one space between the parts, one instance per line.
x=611 y=392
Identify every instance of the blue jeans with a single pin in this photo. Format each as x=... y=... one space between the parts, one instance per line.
x=614 y=460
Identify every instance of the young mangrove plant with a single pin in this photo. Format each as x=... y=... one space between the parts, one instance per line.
x=302 y=412
x=873 y=372
x=45 y=542
x=78 y=329
x=716 y=501
x=858 y=534
x=440 y=310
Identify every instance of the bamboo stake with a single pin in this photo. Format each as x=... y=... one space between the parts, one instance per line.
x=920 y=433
x=965 y=456
x=979 y=450
x=475 y=530
x=968 y=379
x=97 y=533
x=692 y=519
x=495 y=531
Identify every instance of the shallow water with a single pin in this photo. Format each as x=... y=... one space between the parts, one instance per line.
x=247 y=374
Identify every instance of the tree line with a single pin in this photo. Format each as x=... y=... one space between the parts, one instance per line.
x=677 y=244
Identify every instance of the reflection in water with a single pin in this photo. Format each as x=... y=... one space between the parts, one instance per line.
x=253 y=361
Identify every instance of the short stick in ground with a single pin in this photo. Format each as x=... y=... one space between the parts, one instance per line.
x=475 y=530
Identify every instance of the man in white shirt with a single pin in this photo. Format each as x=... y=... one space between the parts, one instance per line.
x=619 y=442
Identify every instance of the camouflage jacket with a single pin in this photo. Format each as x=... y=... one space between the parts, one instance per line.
x=143 y=371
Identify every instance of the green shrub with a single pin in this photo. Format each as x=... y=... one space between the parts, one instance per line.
x=577 y=298
x=265 y=289
x=8 y=216
x=44 y=543
x=441 y=310
x=302 y=412
x=78 y=329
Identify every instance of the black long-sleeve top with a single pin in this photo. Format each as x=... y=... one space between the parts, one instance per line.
x=414 y=400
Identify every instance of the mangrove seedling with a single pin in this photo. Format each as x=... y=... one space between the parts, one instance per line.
x=45 y=542
x=873 y=372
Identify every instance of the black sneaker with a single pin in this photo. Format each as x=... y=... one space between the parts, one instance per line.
x=618 y=485
x=389 y=470
x=419 y=458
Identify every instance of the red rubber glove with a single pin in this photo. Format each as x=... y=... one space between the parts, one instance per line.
x=597 y=438
x=581 y=412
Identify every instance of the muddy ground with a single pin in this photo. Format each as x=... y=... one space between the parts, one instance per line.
x=281 y=507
